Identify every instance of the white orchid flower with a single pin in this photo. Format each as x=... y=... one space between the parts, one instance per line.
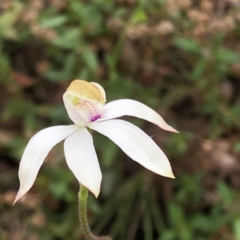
x=85 y=104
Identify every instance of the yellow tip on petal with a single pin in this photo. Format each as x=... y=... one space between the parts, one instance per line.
x=171 y=175
x=87 y=90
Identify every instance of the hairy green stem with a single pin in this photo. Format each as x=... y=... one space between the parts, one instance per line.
x=82 y=198
x=85 y=230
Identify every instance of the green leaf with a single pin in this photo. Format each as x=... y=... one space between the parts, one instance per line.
x=70 y=40
x=227 y=56
x=237 y=147
x=187 y=44
x=90 y=58
x=138 y=16
x=7 y=20
x=225 y=192
x=70 y=64
x=179 y=221
x=55 y=75
x=237 y=229
x=53 y=22
x=199 y=69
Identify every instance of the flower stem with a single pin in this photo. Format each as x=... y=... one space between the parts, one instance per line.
x=82 y=198
x=85 y=230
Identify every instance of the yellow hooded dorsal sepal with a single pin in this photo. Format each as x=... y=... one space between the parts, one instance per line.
x=87 y=90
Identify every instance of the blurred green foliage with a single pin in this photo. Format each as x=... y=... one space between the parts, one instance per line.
x=180 y=58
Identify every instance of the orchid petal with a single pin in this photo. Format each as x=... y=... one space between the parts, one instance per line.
x=82 y=160
x=35 y=153
x=122 y=107
x=136 y=144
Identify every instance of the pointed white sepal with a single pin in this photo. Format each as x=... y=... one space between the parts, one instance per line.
x=128 y=107
x=136 y=144
x=82 y=159
x=36 y=151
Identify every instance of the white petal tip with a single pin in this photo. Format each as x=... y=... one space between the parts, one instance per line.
x=96 y=195
x=171 y=129
x=95 y=192
x=167 y=174
x=171 y=175
x=18 y=197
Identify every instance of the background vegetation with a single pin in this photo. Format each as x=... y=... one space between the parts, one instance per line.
x=179 y=57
